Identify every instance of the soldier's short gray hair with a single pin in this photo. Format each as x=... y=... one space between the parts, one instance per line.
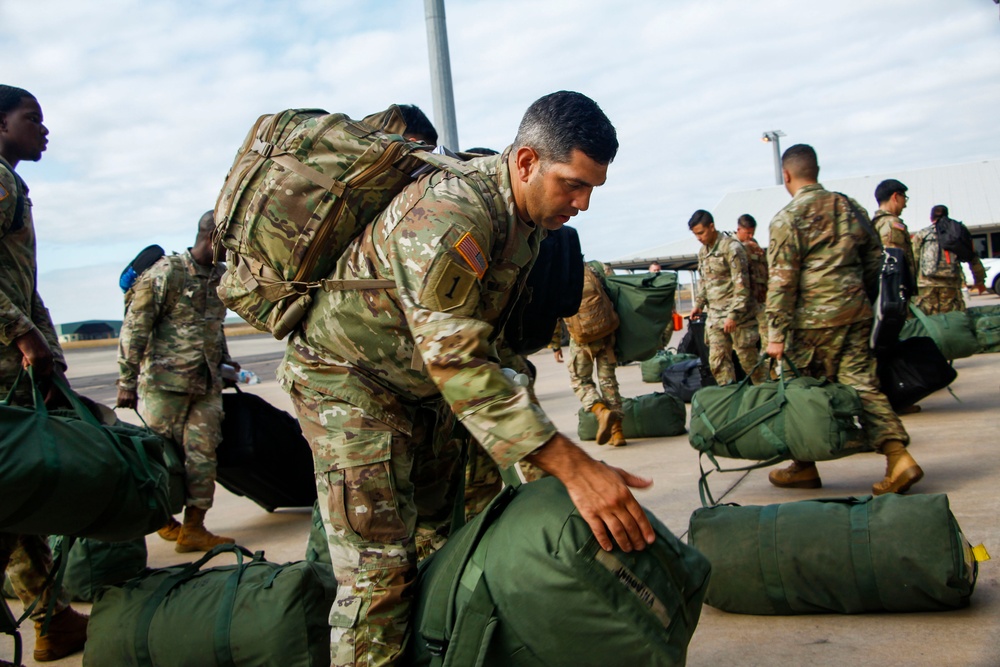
x=559 y=123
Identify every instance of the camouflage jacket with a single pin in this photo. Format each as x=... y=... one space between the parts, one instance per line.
x=458 y=257
x=821 y=259
x=893 y=233
x=21 y=308
x=757 y=257
x=725 y=281
x=940 y=268
x=174 y=342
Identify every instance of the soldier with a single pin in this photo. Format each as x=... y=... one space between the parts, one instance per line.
x=725 y=290
x=746 y=227
x=822 y=258
x=891 y=197
x=940 y=278
x=171 y=347
x=29 y=340
x=592 y=344
x=360 y=364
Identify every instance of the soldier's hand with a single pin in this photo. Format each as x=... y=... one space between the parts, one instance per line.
x=36 y=353
x=558 y=354
x=127 y=398
x=54 y=397
x=775 y=350
x=235 y=365
x=600 y=492
x=729 y=326
x=695 y=312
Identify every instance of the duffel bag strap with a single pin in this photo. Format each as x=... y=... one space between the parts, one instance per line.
x=861 y=557
x=767 y=550
x=473 y=631
x=707 y=500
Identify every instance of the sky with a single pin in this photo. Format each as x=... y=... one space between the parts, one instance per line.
x=147 y=102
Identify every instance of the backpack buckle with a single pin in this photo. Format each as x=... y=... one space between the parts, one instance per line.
x=263 y=148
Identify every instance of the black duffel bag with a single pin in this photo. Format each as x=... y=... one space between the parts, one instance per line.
x=912 y=370
x=683 y=379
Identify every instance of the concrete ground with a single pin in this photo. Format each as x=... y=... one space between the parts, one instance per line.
x=955 y=442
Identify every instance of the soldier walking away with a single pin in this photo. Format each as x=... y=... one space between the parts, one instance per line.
x=592 y=344
x=725 y=294
x=28 y=340
x=823 y=260
x=746 y=227
x=170 y=351
x=363 y=362
x=940 y=279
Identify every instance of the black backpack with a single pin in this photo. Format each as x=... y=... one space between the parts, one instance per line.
x=146 y=258
x=553 y=291
x=954 y=237
x=891 y=306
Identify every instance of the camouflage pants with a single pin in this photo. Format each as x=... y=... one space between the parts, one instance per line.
x=375 y=485
x=744 y=340
x=196 y=423
x=935 y=300
x=582 y=360
x=27 y=560
x=842 y=354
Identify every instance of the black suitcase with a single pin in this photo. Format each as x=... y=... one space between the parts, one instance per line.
x=263 y=454
x=912 y=370
x=693 y=342
x=681 y=380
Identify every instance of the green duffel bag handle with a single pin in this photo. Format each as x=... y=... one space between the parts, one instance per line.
x=223 y=620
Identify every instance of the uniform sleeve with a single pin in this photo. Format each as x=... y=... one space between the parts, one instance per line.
x=13 y=321
x=978 y=271
x=149 y=295
x=739 y=268
x=439 y=290
x=871 y=258
x=700 y=299
x=43 y=322
x=784 y=261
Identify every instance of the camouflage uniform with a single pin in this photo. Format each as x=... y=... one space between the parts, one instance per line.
x=363 y=362
x=940 y=279
x=757 y=258
x=583 y=357
x=820 y=262
x=26 y=558
x=893 y=233
x=171 y=345
x=724 y=292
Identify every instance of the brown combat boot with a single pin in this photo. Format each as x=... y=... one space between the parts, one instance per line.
x=901 y=471
x=617 y=435
x=799 y=475
x=171 y=531
x=67 y=634
x=605 y=418
x=194 y=536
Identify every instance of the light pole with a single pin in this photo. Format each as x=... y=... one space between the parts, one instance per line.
x=444 y=98
x=771 y=137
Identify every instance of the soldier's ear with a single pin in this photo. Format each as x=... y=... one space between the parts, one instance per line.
x=527 y=161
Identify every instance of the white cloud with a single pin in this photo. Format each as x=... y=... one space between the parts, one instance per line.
x=147 y=102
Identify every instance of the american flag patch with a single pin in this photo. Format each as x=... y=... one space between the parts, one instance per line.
x=472 y=253
x=3 y=192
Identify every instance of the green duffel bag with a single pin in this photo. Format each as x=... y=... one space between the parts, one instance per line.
x=645 y=306
x=986 y=323
x=173 y=459
x=653 y=367
x=92 y=564
x=842 y=555
x=113 y=481
x=952 y=332
x=649 y=416
x=806 y=419
x=252 y=614
x=526 y=584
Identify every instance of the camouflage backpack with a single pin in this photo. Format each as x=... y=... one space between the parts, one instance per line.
x=597 y=317
x=304 y=184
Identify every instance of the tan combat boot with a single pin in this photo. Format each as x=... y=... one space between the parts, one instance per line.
x=901 y=471
x=67 y=634
x=605 y=418
x=194 y=536
x=617 y=435
x=799 y=475
x=171 y=531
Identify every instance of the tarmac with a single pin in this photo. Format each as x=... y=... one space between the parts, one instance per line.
x=955 y=441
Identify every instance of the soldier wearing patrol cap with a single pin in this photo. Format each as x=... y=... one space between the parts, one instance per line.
x=363 y=363
x=891 y=197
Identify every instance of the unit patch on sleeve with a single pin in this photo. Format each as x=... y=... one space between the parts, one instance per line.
x=472 y=253
x=448 y=286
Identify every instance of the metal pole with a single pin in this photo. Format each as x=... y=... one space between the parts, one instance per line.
x=777 y=161
x=444 y=97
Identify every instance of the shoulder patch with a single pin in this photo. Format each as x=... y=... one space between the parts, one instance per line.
x=448 y=286
x=898 y=225
x=3 y=192
x=470 y=251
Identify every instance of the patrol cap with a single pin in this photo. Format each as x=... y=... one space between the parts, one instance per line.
x=888 y=188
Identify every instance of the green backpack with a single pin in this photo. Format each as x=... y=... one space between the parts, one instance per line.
x=252 y=614
x=526 y=584
x=650 y=416
x=645 y=306
x=952 y=332
x=653 y=367
x=843 y=555
x=304 y=184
